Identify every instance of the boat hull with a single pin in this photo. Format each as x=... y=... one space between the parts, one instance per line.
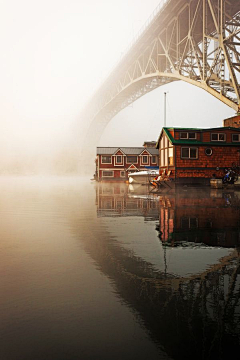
x=142 y=177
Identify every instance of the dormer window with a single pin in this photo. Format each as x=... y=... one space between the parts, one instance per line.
x=218 y=137
x=118 y=159
x=188 y=135
x=145 y=159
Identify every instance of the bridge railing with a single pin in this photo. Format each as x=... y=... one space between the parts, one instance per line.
x=142 y=30
x=146 y=25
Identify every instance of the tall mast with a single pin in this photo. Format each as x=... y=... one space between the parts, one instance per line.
x=165 y=113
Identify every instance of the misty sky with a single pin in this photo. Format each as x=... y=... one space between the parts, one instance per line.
x=55 y=53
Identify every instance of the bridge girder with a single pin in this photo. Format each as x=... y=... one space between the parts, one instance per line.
x=197 y=41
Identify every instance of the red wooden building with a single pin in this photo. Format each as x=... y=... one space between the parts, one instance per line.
x=197 y=155
x=114 y=163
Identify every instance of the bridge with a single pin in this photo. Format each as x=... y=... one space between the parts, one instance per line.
x=196 y=41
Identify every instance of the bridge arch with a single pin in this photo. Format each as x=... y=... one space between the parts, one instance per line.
x=196 y=41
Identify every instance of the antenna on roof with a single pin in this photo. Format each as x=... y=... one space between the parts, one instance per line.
x=165 y=111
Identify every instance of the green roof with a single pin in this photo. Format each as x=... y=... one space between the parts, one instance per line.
x=196 y=142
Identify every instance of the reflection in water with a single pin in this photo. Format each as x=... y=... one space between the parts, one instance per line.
x=211 y=218
x=107 y=271
x=189 y=296
x=121 y=200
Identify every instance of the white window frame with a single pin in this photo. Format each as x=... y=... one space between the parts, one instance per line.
x=131 y=161
x=187 y=138
x=124 y=174
x=238 y=137
x=106 y=162
x=218 y=136
x=145 y=163
x=117 y=157
x=108 y=176
x=115 y=160
x=189 y=149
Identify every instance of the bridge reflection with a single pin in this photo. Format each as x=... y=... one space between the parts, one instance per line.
x=194 y=316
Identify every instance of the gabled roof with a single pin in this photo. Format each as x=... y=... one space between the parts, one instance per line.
x=125 y=150
x=131 y=167
x=195 y=142
x=145 y=150
x=119 y=150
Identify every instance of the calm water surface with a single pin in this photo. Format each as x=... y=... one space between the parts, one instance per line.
x=109 y=271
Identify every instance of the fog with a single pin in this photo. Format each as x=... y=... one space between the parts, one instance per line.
x=55 y=54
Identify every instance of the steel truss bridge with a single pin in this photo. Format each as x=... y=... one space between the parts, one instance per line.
x=197 y=41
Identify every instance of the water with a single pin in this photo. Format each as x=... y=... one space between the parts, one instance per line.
x=107 y=271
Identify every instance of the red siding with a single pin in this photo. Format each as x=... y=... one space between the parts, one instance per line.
x=177 y=134
x=121 y=167
x=222 y=157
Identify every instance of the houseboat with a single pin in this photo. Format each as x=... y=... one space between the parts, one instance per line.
x=116 y=163
x=194 y=155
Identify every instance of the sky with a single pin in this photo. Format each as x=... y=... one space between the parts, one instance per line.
x=56 y=53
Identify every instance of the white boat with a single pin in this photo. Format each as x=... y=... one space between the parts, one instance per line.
x=142 y=177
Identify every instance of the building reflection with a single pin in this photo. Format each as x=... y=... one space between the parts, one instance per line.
x=211 y=217
x=117 y=199
x=195 y=316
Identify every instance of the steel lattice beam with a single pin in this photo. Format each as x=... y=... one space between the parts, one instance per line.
x=197 y=41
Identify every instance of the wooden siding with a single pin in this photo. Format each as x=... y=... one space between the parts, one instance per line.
x=205 y=166
x=224 y=154
x=117 y=168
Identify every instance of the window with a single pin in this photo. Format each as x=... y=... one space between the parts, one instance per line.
x=145 y=159
x=106 y=159
x=122 y=173
x=119 y=204
x=107 y=174
x=130 y=204
x=107 y=191
x=183 y=135
x=154 y=159
x=170 y=156
x=118 y=159
x=235 y=137
x=162 y=157
x=218 y=137
x=166 y=157
x=131 y=159
x=189 y=153
x=106 y=204
x=208 y=151
x=189 y=223
x=188 y=135
x=192 y=135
